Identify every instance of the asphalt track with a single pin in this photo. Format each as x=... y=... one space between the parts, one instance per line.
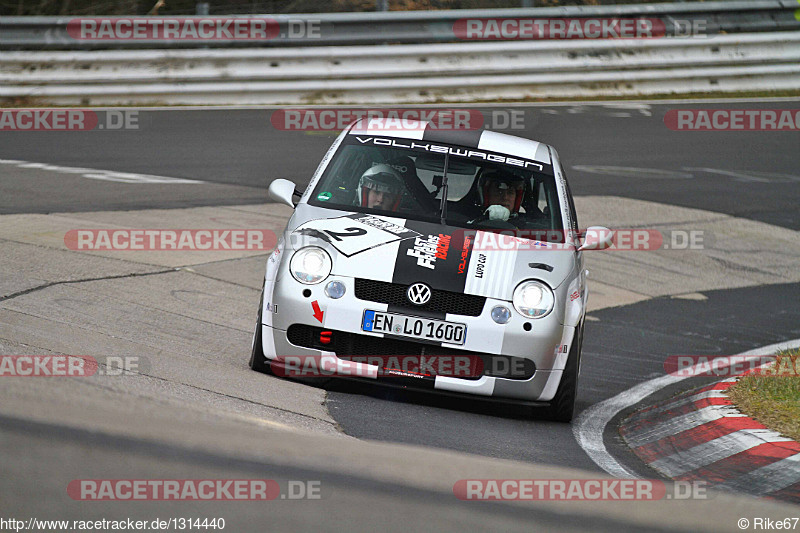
x=242 y=148
x=747 y=175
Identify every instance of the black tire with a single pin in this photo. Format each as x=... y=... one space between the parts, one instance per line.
x=258 y=361
x=562 y=407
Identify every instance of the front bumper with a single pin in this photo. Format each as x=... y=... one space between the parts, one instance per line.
x=546 y=344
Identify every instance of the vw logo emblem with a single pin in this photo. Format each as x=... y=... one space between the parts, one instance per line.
x=419 y=294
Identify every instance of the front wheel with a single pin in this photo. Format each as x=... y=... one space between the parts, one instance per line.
x=562 y=407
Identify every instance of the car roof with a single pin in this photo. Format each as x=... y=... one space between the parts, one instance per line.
x=478 y=139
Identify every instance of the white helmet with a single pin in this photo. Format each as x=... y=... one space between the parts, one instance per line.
x=503 y=180
x=381 y=178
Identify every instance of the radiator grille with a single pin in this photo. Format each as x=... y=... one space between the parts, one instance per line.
x=455 y=303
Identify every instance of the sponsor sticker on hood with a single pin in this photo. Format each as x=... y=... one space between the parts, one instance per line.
x=353 y=234
x=438 y=256
x=446 y=258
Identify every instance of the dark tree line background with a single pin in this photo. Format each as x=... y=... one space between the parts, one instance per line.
x=216 y=7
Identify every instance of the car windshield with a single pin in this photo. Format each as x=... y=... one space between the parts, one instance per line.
x=404 y=178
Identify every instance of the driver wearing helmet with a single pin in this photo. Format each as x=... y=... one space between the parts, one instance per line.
x=380 y=187
x=500 y=193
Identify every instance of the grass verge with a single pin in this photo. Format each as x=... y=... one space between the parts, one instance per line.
x=772 y=400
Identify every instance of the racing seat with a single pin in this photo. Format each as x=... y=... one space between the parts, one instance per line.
x=469 y=206
x=420 y=196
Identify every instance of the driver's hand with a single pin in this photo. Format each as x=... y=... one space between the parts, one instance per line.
x=498 y=212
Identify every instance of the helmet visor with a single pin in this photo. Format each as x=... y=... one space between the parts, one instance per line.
x=506 y=186
x=382 y=182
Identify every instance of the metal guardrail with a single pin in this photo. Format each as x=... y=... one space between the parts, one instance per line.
x=449 y=72
x=409 y=27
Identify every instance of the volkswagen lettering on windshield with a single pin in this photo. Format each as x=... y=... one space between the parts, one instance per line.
x=451 y=150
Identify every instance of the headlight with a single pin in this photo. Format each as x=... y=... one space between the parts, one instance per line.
x=310 y=265
x=533 y=299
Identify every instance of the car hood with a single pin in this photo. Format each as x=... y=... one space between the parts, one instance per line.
x=403 y=251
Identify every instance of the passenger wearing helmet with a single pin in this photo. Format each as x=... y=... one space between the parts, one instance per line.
x=380 y=187
x=500 y=193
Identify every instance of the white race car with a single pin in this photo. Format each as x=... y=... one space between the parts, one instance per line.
x=444 y=260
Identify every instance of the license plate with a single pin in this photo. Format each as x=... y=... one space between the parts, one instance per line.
x=415 y=327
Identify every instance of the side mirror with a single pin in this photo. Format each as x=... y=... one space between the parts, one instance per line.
x=597 y=238
x=282 y=191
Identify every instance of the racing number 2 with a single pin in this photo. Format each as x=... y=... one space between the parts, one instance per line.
x=351 y=232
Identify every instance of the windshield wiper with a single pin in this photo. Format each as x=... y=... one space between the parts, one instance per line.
x=443 y=207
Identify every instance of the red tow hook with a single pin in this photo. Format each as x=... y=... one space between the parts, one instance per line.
x=325 y=337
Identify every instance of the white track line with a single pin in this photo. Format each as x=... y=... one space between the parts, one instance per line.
x=96 y=174
x=588 y=428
